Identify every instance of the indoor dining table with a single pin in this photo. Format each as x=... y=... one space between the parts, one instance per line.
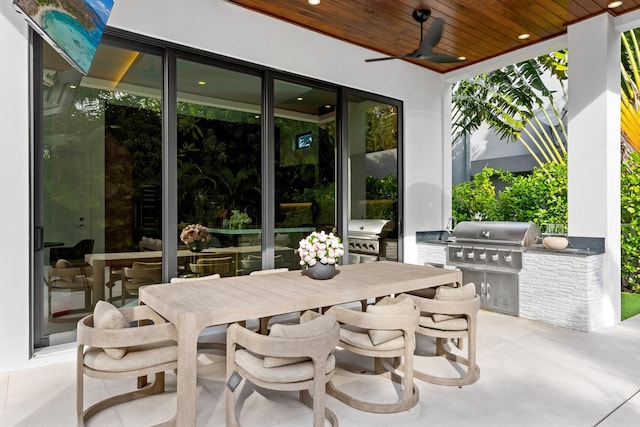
x=100 y=261
x=193 y=306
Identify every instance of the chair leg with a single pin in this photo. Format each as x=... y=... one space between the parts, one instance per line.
x=154 y=388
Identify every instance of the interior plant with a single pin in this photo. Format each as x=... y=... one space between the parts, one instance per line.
x=238 y=218
x=195 y=236
x=320 y=247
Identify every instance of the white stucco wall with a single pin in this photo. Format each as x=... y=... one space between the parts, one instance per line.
x=14 y=188
x=226 y=29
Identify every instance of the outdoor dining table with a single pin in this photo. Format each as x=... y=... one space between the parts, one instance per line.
x=193 y=306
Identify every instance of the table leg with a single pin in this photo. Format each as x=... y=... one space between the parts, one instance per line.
x=187 y=374
x=98 y=281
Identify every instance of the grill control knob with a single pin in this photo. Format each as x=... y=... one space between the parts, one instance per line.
x=470 y=255
x=508 y=258
x=483 y=256
x=459 y=254
x=495 y=257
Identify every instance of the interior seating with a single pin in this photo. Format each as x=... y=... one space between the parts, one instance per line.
x=451 y=315
x=293 y=357
x=75 y=254
x=65 y=277
x=109 y=348
x=386 y=330
x=139 y=274
x=208 y=265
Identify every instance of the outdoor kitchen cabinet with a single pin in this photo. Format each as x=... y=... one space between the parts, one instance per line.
x=498 y=291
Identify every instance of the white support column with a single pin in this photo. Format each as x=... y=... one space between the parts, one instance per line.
x=594 y=146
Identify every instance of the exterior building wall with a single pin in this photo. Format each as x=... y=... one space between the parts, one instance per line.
x=229 y=30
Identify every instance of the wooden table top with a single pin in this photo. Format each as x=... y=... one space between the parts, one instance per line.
x=219 y=301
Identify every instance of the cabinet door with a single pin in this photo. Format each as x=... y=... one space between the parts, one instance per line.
x=501 y=292
x=478 y=278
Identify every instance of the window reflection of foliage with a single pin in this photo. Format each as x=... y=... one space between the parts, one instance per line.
x=382 y=197
x=382 y=128
x=218 y=162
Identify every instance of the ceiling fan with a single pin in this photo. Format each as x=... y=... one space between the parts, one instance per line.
x=427 y=43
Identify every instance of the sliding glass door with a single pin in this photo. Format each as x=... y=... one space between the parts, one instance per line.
x=101 y=171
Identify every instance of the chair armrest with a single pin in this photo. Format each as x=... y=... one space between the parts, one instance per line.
x=365 y=320
x=315 y=347
x=428 y=305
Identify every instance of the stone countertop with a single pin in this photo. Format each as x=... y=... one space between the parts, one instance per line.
x=577 y=245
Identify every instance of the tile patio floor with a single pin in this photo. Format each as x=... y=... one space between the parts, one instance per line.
x=531 y=375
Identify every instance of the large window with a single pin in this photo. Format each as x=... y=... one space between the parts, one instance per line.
x=155 y=139
x=101 y=176
x=305 y=159
x=219 y=175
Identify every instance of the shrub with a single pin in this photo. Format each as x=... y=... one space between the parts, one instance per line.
x=630 y=227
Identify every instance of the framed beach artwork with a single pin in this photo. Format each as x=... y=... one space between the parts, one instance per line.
x=72 y=27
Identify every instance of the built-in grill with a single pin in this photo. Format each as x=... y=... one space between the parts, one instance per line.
x=368 y=239
x=489 y=253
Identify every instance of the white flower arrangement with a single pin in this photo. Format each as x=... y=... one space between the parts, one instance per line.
x=320 y=247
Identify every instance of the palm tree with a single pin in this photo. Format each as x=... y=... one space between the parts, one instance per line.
x=512 y=102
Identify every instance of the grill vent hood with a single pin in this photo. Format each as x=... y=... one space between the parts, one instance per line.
x=503 y=232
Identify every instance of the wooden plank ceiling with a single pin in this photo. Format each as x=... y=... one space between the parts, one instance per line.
x=475 y=29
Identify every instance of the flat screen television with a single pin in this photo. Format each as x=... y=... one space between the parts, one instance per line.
x=304 y=140
x=72 y=27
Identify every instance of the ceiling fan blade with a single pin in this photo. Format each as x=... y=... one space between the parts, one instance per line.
x=432 y=38
x=442 y=58
x=386 y=58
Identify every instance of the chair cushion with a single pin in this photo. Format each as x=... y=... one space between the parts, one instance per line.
x=107 y=316
x=388 y=306
x=301 y=371
x=137 y=357
x=423 y=293
x=63 y=263
x=361 y=339
x=311 y=324
x=447 y=293
x=453 y=324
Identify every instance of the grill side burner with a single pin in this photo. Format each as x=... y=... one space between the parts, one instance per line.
x=366 y=239
x=489 y=253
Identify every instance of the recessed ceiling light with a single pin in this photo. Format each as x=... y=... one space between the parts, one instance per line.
x=299 y=98
x=314 y=2
x=614 y=4
x=524 y=36
x=202 y=82
x=72 y=86
x=257 y=116
x=462 y=58
x=328 y=106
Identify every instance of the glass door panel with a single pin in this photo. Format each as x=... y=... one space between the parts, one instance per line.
x=373 y=170
x=305 y=166
x=219 y=176
x=101 y=170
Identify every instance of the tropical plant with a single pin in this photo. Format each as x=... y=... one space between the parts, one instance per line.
x=475 y=199
x=630 y=93
x=539 y=197
x=516 y=103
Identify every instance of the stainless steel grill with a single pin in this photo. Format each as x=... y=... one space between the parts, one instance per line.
x=367 y=239
x=489 y=253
